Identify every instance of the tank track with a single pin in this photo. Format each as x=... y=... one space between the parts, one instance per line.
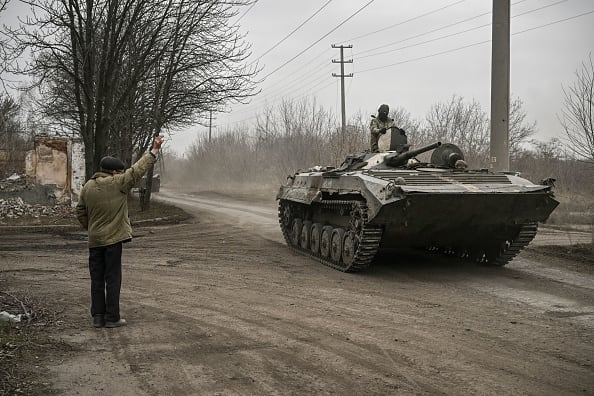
x=510 y=249
x=367 y=236
x=495 y=255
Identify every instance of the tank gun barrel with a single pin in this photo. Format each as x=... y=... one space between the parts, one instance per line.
x=395 y=159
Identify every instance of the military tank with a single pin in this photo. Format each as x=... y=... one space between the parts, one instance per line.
x=343 y=216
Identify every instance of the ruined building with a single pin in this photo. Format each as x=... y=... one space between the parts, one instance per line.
x=55 y=172
x=59 y=165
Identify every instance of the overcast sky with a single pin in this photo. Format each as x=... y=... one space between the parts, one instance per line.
x=408 y=53
x=412 y=53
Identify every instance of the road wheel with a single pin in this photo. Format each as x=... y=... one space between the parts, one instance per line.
x=305 y=237
x=296 y=232
x=349 y=247
x=326 y=241
x=336 y=244
x=315 y=238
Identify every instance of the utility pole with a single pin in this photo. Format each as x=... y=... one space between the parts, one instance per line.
x=342 y=76
x=499 y=160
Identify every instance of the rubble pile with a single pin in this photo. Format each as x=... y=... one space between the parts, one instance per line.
x=14 y=183
x=12 y=208
x=16 y=197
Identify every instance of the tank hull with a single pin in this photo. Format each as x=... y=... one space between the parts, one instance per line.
x=488 y=217
x=469 y=219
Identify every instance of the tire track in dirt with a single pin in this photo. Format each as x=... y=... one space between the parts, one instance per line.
x=221 y=306
x=372 y=304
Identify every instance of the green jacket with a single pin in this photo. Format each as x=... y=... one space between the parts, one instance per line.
x=374 y=127
x=103 y=205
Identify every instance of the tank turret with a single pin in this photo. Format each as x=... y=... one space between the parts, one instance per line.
x=446 y=156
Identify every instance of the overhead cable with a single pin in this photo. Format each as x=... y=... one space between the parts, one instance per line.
x=246 y=11
x=320 y=39
x=445 y=27
x=406 y=21
x=474 y=44
x=294 y=30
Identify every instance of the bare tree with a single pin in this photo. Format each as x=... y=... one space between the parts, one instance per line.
x=577 y=117
x=4 y=53
x=117 y=72
x=520 y=131
x=8 y=112
x=13 y=140
x=464 y=124
x=296 y=131
x=467 y=125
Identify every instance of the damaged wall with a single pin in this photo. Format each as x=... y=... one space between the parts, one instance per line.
x=58 y=162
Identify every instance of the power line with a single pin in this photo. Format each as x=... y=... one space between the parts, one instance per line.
x=320 y=39
x=307 y=90
x=300 y=72
x=314 y=80
x=246 y=11
x=294 y=30
x=278 y=97
x=424 y=33
x=445 y=27
x=297 y=77
x=292 y=100
x=554 y=23
x=474 y=44
x=310 y=91
x=424 y=42
x=408 y=20
x=424 y=57
x=316 y=85
x=423 y=15
x=538 y=9
x=300 y=78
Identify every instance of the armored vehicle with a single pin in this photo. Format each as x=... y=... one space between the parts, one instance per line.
x=343 y=216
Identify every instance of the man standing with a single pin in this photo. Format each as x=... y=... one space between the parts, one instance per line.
x=103 y=211
x=379 y=125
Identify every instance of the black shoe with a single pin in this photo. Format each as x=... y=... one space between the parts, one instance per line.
x=119 y=323
x=98 y=321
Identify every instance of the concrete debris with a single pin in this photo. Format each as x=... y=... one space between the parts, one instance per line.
x=15 y=207
x=13 y=177
x=14 y=183
x=10 y=318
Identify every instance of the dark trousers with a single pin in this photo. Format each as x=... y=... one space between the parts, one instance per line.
x=105 y=266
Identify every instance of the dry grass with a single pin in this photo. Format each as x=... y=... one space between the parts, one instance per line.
x=23 y=345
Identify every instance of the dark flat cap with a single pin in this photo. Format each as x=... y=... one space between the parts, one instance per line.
x=111 y=163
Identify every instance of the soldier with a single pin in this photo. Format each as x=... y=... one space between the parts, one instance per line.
x=379 y=126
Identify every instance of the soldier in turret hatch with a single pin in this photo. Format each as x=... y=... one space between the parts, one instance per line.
x=385 y=135
x=380 y=124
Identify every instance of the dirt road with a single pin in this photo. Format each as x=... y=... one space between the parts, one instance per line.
x=220 y=306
